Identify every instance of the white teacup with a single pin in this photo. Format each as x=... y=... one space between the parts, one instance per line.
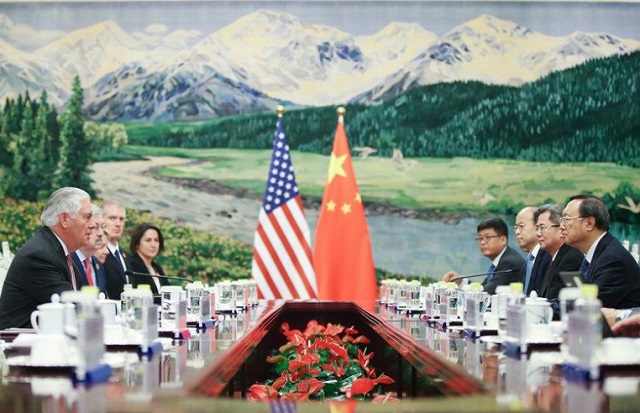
x=49 y=317
x=538 y=311
x=109 y=310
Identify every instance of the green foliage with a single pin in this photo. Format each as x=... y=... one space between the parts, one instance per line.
x=621 y=202
x=590 y=112
x=188 y=252
x=76 y=153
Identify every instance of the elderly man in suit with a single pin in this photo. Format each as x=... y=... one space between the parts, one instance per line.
x=585 y=225
x=115 y=266
x=43 y=266
x=537 y=261
x=565 y=257
x=91 y=269
x=506 y=263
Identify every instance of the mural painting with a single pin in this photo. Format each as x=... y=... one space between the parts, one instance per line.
x=455 y=110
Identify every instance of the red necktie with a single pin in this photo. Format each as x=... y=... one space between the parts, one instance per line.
x=87 y=270
x=72 y=273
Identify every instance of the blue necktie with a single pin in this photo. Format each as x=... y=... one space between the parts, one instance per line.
x=584 y=269
x=527 y=279
x=492 y=268
x=119 y=260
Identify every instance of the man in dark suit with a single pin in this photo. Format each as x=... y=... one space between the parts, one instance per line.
x=43 y=267
x=115 y=219
x=565 y=258
x=537 y=261
x=584 y=224
x=91 y=270
x=493 y=240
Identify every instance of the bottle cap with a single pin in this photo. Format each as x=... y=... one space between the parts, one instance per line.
x=590 y=290
x=90 y=289
x=516 y=287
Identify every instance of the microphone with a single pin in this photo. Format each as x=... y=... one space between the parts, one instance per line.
x=144 y=274
x=462 y=277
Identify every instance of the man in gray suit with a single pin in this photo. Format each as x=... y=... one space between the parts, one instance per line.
x=43 y=266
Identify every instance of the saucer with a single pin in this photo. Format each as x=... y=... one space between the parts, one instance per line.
x=27 y=362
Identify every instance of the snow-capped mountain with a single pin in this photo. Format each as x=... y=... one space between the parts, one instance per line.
x=266 y=58
x=496 y=51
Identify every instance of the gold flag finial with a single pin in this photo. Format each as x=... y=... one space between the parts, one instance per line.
x=341 y=111
x=280 y=109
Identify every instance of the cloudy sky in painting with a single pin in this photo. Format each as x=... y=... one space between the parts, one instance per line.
x=37 y=22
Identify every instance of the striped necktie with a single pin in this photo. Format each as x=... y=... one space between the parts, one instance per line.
x=72 y=272
x=584 y=269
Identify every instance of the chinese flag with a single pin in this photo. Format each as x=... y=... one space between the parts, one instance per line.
x=342 y=250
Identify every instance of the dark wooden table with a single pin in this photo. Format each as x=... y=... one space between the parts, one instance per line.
x=187 y=375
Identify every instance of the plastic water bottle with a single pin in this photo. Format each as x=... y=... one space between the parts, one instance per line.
x=585 y=330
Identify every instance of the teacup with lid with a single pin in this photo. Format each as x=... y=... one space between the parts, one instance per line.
x=49 y=317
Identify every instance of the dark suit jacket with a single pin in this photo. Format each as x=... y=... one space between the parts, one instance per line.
x=616 y=273
x=567 y=259
x=38 y=271
x=98 y=270
x=510 y=260
x=114 y=275
x=136 y=264
x=540 y=266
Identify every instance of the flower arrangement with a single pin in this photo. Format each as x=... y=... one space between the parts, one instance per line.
x=322 y=363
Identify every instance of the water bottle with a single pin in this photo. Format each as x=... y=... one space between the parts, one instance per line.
x=585 y=330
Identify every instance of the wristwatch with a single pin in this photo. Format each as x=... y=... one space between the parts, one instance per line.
x=622 y=314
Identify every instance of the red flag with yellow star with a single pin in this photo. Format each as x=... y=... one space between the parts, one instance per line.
x=342 y=249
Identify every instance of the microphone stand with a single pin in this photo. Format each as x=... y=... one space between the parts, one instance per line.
x=462 y=277
x=144 y=274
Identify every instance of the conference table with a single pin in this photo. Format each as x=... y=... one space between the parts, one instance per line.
x=211 y=369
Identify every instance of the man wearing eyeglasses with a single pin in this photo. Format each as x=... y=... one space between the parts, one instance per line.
x=114 y=264
x=91 y=271
x=564 y=257
x=537 y=262
x=585 y=225
x=493 y=240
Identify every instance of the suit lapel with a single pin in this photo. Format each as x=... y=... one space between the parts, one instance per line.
x=604 y=241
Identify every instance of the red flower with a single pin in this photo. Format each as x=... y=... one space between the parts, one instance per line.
x=362 y=385
x=313 y=329
x=333 y=329
x=261 y=392
x=384 y=380
x=311 y=385
x=324 y=352
x=280 y=381
x=339 y=351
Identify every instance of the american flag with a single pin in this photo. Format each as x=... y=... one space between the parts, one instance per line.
x=281 y=263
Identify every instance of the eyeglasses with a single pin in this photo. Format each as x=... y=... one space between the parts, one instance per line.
x=566 y=220
x=543 y=228
x=519 y=226
x=486 y=238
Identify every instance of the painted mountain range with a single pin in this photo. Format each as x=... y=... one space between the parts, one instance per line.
x=267 y=58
